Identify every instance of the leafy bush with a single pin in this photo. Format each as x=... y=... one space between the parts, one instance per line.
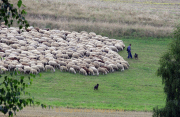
x=12 y=90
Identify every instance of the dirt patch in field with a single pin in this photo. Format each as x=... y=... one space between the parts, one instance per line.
x=64 y=112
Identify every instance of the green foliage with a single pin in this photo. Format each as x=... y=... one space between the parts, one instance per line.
x=169 y=70
x=8 y=13
x=11 y=90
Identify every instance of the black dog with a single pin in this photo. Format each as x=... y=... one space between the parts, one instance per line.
x=136 y=56
x=96 y=87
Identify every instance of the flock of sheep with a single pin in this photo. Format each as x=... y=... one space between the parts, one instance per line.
x=35 y=50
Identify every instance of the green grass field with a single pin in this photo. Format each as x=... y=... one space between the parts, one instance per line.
x=135 y=89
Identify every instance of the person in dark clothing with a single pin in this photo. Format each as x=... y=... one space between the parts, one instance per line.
x=129 y=51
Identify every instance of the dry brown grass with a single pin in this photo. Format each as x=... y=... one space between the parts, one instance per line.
x=155 y=18
x=68 y=112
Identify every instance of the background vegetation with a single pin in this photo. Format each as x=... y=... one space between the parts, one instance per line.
x=137 y=18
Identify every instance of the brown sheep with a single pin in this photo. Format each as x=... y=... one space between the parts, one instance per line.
x=37 y=29
x=96 y=64
x=28 y=30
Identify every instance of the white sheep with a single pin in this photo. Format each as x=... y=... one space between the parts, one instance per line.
x=71 y=70
x=62 y=63
x=3 y=69
x=35 y=67
x=33 y=71
x=102 y=70
x=27 y=69
x=91 y=71
x=19 y=70
x=75 y=55
x=94 y=70
x=37 y=50
x=63 y=68
x=77 y=68
x=82 y=71
x=41 y=67
x=54 y=64
x=50 y=68
x=124 y=65
x=120 y=66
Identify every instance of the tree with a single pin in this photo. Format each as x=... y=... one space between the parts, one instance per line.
x=11 y=91
x=169 y=70
x=13 y=87
x=8 y=13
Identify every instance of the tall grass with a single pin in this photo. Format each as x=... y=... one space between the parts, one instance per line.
x=111 y=17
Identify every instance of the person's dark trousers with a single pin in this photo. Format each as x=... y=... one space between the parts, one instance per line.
x=129 y=54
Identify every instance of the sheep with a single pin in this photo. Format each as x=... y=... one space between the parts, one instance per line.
x=125 y=66
x=125 y=62
x=94 y=70
x=87 y=60
x=61 y=63
x=27 y=69
x=15 y=46
x=110 y=68
x=69 y=65
x=25 y=64
x=91 y=71
x=11 y=67
x=71 y=70
x=66 y=56
x=82 y=71
x=37 y=29
x=50 y=68
x=75 y=55
x=87 y=70
x=120 y=66
x=114 y=66
x=35 y=67
x=33 y=71
x=77 y=68
x=19 y=37
x=19 y=66
x=47 y=44
x=90 y=52
x=119 y=46
x=3 y=69
x=96 y=64
x=69 y=54
x=63 y=68
x=54 y=64
x=102 y=70
x=41 y=67
x=19 y=70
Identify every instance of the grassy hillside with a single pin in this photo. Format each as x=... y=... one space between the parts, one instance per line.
x=137 y=88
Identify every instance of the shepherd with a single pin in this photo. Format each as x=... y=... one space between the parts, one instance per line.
x=129 y=51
